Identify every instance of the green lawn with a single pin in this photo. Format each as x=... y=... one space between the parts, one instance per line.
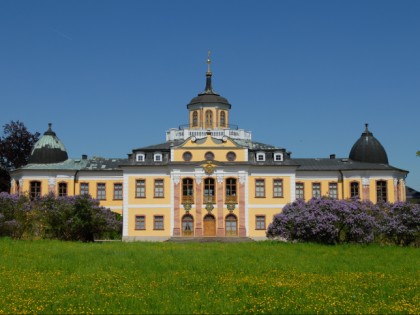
x=261 y=277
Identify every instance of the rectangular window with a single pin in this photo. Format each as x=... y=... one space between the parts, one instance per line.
x=140 y=222
x=35 y=189
x=62 y=189
x=316 y=190
x=84 y=188
x=158 y=188
x=260 y=222
x=277 y=188
x=381 y=191
x=158 y=222
x=118 y=191
x=101 y=191
x=140 y=188
x=354 y=190
x=300 y=191
x=332 y=190
x=260 y=188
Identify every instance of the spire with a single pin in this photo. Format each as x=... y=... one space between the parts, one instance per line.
x=209 y=88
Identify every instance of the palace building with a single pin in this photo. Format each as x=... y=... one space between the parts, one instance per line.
x=209 y=178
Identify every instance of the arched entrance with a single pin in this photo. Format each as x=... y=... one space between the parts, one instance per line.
x=187 y=225
x=209 y=225
x=231 y=225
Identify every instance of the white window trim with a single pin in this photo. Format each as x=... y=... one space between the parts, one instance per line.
x=140 y=157
x=278 y=154
x=260 y=154
x=158 y=157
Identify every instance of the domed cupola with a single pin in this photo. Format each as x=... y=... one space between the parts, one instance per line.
x=208 y=110
x=368 y=149
x=48 y=149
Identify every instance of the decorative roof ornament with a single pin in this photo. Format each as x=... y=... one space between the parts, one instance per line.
x=208 y=63
x=209 y=88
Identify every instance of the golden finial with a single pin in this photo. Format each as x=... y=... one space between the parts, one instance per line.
x=208 y=62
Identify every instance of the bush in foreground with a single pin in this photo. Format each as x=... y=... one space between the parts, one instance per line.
x=78 y=218
x=328 y=221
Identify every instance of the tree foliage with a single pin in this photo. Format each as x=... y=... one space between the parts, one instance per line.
x=15 y=148
x=78 y=218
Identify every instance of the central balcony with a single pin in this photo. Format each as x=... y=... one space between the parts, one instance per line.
x=185 y=131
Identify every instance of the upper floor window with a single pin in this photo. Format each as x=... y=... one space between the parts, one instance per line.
x=381 y=191
x=209 y=119
x=316 y=190
x=231 y=156
x=300 y=191
x=101 y=191
x=332 y=190
x=222 y=119
x=84 y=188
x=195 y=119
x=209 y=191
x=260 y=188
x=187 y=190
x=35 y=189
x=140 y=188
x=277 y=188
x=260 y=156
x=278 y=157
x=231 y=192
x=159 y=188
x=157 y=157
x=209 y=156
x=118 y=191
x=62 y=189
x=187 y=156
x=354 y=190
x=140 y=157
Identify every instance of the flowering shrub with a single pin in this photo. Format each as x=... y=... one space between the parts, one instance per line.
x=66 y=218
x=329 y=221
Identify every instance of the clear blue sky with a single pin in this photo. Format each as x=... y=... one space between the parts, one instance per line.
x=304 y=75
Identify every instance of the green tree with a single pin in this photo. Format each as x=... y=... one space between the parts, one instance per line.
x=15 y=148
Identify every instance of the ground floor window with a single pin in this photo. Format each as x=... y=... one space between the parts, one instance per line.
x=332 y=190
x=35 y=189
x=300 y=191
x=187 y=225
x=260 y=222
x=381 y=191
x=101 y=191
x=354 y=190
x=231 y=225
x=140 y=222
x=158 y=222
x=316 y=190
x=62 y=189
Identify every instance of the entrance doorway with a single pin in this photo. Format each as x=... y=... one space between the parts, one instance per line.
x=187 y=225
x=231 y=225
x=209 y=225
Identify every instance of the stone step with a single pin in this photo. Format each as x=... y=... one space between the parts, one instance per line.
x=210 y=239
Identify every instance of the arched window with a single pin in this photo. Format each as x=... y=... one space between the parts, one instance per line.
x=195 y=119
x=222 y=119
x=187 y=225
x=62 y=189
x=209 y=119
x=187 y=190
x=209 y=192
x=231 y=223
x=231 y=190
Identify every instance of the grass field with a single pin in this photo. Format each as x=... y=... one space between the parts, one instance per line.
x=264 y=277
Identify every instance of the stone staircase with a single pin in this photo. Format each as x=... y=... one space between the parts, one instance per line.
x=209 y=239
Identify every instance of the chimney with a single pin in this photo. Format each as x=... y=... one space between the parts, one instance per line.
x=84 y=157
x=332 y=156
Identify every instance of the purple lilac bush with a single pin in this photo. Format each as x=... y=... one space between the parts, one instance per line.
x=329 y=221
x=78 y=218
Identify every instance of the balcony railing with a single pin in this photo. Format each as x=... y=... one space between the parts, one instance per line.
x=231 y=199
x=229 y=126
x=187 y=199
x=183 y=134
x=209 y=199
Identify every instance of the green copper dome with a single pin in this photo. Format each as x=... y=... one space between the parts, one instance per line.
x=48 y=149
